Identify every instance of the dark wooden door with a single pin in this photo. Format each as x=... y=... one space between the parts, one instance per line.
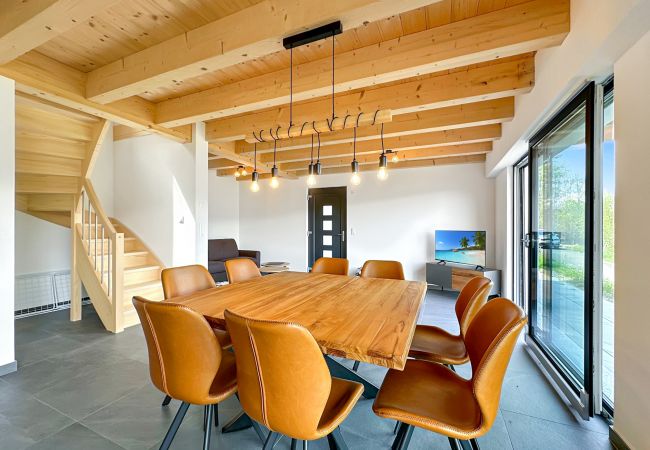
x=327 y=223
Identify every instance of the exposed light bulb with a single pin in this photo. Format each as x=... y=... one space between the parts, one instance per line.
x=395 y=158
x=274 y=182
x=255 y=186
x=311 y=179
x=244 y=172
x=356 y=179
x=237 y=174
x=382 y=174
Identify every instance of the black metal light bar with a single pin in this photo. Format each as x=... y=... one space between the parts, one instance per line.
x=309 y=36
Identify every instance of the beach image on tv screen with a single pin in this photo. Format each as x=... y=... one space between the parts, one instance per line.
x=466 y=247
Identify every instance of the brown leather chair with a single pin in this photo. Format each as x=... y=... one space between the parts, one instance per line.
x=382 y=269
x=186 y=280
x=431 y=396
x=239 y=270
x=437 y=345
x=185 y=360
x=333 y=266
x=285 y=384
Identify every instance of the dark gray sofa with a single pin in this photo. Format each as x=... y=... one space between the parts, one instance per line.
x=221 y=250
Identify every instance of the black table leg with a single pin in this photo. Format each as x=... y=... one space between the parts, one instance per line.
x=340 y=371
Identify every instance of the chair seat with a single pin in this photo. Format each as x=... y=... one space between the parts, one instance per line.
x=432 y=397
x=437 y=345
x=225 y=381
x=223 y=337
x=343 y=396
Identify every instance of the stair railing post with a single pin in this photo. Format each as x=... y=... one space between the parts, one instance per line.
x=117 y=296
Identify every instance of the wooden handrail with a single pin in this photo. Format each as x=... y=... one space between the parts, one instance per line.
x=97 y=206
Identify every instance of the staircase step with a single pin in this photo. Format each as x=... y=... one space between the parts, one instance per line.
x=141 y=274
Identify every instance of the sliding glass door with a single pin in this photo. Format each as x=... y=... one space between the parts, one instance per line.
x=560 y=239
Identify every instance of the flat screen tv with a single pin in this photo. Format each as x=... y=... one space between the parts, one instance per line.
x=465 y=247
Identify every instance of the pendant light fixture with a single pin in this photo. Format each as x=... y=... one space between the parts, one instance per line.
x=395 y=157
x=383 y=160
x=327 y=125
x=238 y=171
x=255 y=186
x=317 y=166
x=311 y=178
x=356 y=179
x=274 y=170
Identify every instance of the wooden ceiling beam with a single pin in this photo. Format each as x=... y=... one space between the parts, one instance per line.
x=39 y=76
x=407 y=155
x=451 y=160
x=486 y=81
x=250 y=33
x=485 y=133
x=515 y=30
x=227 y=150
x=25 y=25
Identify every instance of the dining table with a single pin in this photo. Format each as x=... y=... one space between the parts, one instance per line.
x=371 y=320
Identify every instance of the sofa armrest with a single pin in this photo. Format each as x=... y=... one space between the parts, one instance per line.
x=255 y=254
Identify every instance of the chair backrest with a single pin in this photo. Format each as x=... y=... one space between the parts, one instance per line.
x=333 y=266
x=470 y=300
x=185 y=280
x=283 y=380
x=241 y=269
x=184 y=354
x=490 y=340
x=382 y=269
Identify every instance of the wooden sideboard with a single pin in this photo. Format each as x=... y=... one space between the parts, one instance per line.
x=454 y=277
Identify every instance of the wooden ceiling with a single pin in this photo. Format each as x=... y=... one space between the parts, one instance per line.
x=448 y=70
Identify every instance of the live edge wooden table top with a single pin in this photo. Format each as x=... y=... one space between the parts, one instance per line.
x=366 y=319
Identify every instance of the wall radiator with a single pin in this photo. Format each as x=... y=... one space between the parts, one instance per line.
x=38 y=293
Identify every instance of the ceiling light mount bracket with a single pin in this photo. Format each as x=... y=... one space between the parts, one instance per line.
x=313 y=35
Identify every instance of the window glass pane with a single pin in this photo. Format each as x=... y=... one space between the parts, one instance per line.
x=327 y=240
x=327 y=253
x=327 y=225
x=327 y=210
x=608 y=173
x=560 y=197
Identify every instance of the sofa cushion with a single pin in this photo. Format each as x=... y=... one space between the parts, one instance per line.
x=222 y=249
x=216 y=266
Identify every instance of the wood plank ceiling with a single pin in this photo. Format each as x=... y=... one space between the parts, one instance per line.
x=448 y=69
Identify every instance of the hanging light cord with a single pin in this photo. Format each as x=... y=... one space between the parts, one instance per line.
x=275 y=143
x=354 y=145
x=318 y=157
x=255 y=157
x=312 y=149
x=332 y=79
x=291 y=88
x=382 y=139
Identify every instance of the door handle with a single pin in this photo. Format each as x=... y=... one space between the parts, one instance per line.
x=342 y=234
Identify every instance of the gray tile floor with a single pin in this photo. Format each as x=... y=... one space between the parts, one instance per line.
x=79 y=387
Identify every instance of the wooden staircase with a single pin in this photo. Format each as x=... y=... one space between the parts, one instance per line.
x=56 y=150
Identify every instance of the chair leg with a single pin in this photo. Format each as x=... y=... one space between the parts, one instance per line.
x=205 y=417
x=271 y=440
x=304 y=445
x=407 y=438
x=400 y=435
x=173 y=428
x=216 y=415
x=208 y=429
x=356 y=365
x=451 y=367
x=396 y=427
x=294 y=444
x=166 y=400
x=454 y=444
x=336 y=441
x=258 y=430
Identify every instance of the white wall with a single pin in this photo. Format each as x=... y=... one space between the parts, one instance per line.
x=393 y=219
x=154 y=195
x=223 y=207
x=601 y=31
x=32 y=237
x=503 y=230
x=7 y=199
x=102 y=176
x=632 y=308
